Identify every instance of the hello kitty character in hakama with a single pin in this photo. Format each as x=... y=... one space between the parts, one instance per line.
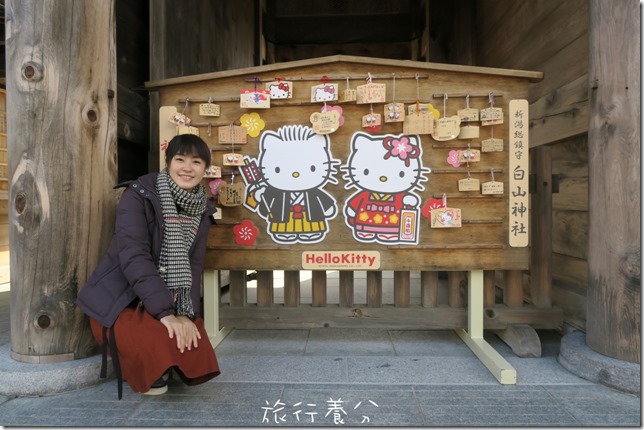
x=286 y=184
x=385 y=171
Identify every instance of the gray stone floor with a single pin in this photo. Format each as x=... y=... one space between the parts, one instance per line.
x=338 y=377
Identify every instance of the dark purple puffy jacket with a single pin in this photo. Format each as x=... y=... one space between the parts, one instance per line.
x=129 y=268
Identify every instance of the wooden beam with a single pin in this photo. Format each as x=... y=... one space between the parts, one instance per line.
x=412 y=318
x=473 y=337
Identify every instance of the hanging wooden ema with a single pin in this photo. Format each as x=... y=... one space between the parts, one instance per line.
x=491 y=115
x=370 y=92
x=420 y=117
x=255 y=99
x=445 y=217
x=492 y=144
x=233 y=158
x=183 y=122
x=280 y=89
x=349 y=94
x=467 y=116
x=209 y=109
x=394 y=112
x=492 y=187
x=372 y=121
x=469 y=183
x=232 y=194
x=324 y=92
x=232 y=134
x=446 y=128
x=327 y=121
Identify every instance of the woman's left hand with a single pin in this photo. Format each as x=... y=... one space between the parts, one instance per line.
x=183 y=330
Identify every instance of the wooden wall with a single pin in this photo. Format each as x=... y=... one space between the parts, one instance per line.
x=194 y=36
x=551 y=36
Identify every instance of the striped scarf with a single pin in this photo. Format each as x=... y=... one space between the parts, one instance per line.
x=182 y=212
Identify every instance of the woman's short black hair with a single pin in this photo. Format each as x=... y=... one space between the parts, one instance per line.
x=188 y=144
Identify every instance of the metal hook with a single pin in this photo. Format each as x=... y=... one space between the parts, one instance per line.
x=444 y=200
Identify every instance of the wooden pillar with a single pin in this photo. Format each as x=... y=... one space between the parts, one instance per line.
x=238 y=290
x=402 y=288
x=61 y=88
x=429 y=288
x=489 y=289
x=614 y=255
x=456 y=280
x=346 y=288
x=541 y=250
x=374 y=289
x=291 y=288
x=513 y=290
x=318 y=288
x=265 y=291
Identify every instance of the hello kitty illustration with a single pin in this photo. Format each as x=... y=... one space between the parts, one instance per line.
x=446 y=218
x=384 y=170
x=285 y=184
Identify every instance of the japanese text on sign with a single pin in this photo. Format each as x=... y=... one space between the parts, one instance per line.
x=519 y=181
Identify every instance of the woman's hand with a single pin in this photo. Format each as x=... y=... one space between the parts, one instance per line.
x=183 y=330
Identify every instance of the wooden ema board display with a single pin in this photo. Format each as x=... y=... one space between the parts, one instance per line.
x=470 y=228
x=483 y=239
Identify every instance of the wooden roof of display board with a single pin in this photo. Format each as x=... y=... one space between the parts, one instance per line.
x=482 y=240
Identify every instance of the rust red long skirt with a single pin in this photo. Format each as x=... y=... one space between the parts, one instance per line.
x=146 y=352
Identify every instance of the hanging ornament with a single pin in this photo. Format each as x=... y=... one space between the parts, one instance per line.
x=280 y=89
x=420 y=118
x=370 y=92
x=445 y=217
x=213 y=172
x=394 y=112
x=253 y=123
x=468 y=114
x=214 y=186
x=349 y=95
x=232 y=134
x=491 y=115
x=232 y=194
x=492 y=187
x=492 y=144
x=372 y=121
x=446 y=128
x=209 y=109
x=255 y=99
x=328 y=120
x=469 y=183
x=325 y=92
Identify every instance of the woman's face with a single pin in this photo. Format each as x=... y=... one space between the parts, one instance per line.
x=187 y=170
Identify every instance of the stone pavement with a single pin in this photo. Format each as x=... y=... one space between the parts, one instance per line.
x=339 y=377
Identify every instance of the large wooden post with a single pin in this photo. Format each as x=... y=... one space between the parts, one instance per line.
x=613 y=301
x=61 y=87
